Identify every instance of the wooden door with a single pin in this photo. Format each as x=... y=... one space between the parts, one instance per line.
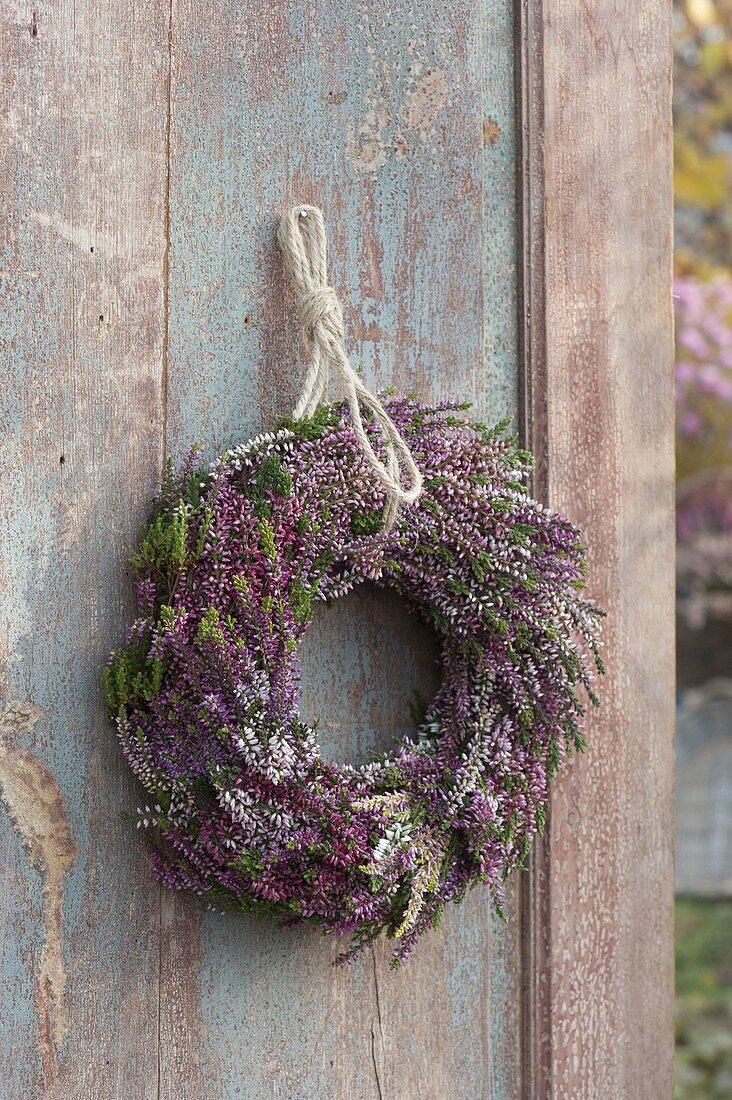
x=496 y=179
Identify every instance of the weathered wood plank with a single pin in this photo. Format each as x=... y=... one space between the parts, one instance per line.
x=601 y=989
x=83 y=174
x=501 y=277
x=398 y=121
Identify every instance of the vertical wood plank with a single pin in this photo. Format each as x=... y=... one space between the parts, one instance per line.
x=501 y=279
x=82 y=163
x=600 y=950
x=398 y=121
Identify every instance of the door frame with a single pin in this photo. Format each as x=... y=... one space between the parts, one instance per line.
x=596 y=333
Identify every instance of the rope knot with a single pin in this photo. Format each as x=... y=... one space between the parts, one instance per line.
x=320 y=306
x=301 y=236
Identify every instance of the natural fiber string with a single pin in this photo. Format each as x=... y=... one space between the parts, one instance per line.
x=301 y=237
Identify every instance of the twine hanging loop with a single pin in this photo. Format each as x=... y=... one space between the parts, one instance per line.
x=301 y=237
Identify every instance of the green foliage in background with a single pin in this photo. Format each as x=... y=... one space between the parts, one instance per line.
x=703 y=999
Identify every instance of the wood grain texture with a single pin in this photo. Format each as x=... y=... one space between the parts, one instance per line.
x=83 y=174
x=398 y=120
x=600 y=913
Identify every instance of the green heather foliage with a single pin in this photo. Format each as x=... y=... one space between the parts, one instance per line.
x=312 y=428
x=132 y=676
x=164 y=545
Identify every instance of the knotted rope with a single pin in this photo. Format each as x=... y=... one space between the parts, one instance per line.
x=301 y=237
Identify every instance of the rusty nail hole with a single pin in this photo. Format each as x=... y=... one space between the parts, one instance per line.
x=246 y=319
x=34 y=25
x=62 y=459
x=101 y=316
x=92 y=248
x=491 y=131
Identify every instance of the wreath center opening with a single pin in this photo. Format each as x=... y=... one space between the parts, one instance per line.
x=368 y=667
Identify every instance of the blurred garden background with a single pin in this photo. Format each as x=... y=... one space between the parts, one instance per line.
x=703 y=301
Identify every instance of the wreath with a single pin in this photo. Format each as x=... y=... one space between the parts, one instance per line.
x=244 y=811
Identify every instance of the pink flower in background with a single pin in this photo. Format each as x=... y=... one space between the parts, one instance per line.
x=704 y=445
x=704 y=351
x=691 y=423
x=692 y=339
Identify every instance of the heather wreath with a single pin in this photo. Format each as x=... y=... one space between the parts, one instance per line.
x=244 y=811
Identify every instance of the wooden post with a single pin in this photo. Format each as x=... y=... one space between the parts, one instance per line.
x=597 y=215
